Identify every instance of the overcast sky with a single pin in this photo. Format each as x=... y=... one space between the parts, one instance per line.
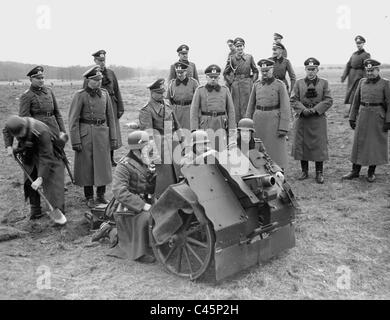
x=146 y=33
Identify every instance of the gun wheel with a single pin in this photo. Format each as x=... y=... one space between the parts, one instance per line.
x=189 y=251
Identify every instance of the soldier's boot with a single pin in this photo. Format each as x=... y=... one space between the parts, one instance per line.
x=100 y=192
x=146 y=259
x=319 y=172
x=371 y=174
x=35 y=205
x=88 y=192
x=113 y=163
x=305 y=170
x=103 y=232
x=354 y=173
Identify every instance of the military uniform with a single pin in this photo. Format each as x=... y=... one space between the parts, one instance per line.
x=40 y=160
x=279 y=36
x=191 y=71
x=41 y=104
x=354 y=70
x=371 y=110
x=244 y=72
x=180 y=94
x=92 y=125
x=132 y=183
x=269 y=107
x=281 y=67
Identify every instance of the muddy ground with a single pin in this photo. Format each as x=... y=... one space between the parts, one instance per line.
x=342 y=232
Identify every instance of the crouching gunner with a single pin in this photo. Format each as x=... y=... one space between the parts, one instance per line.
x=133 y=184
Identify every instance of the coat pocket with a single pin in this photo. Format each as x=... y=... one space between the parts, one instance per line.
x=84 y=130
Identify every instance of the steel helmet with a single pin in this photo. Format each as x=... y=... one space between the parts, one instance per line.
x=199 y=136
x=15 y=124
x=137 y=139
x=246 y=123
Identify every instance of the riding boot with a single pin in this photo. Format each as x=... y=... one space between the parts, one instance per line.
x=354 y=173
x=320 y=172
x=371 y=174
x=100 y=192
x=305 y=170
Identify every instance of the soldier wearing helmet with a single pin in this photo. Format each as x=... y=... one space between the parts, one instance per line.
x=247 y=142
x=132 y=186
x=35 y=146
x=200 y=149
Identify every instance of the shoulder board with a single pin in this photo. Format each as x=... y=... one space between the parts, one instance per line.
x=258 y=80
x=80 y=90
x=257 y=140
x=201 y=86
x=27 y=91
x=104 y=90
x=387 y=80
x=280 y=81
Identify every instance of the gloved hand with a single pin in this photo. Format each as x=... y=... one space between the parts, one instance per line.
x=342 y=80
x=77 y=147
x=10 y=151
x=282 y=133
x=352 y=123
x=114 y=144
x=386 y=127
x=306 y=113
x=120 y=114
x=37 y=183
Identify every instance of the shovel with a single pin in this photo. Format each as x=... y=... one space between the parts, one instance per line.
x=55 y=214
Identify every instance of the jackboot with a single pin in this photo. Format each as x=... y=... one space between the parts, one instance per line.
x=305 y=170
x=354 y=173
x=371 y=174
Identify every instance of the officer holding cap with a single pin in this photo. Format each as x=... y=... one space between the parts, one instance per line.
x=182 y=51
x=110 y=83
x=269 y=107
x=40 y=103
x=180 y=93
x=310 y=99
x=354 y=70
x=212 y=109
x=370 y=118
x=93 y=135
x=242 y=67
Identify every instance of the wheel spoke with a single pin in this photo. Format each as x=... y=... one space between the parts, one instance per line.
x=197 y=228
x=195 y=254
x=188 y=260
x=196 y=242
x=179 y=259
x=170 y=254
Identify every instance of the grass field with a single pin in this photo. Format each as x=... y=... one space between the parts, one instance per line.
x=343 y=231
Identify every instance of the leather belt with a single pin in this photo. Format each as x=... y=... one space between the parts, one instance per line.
x=213 y=113
x=270 y=108
x=41 y=113
x=182 y=103
x=96 y=122
x=368 y=104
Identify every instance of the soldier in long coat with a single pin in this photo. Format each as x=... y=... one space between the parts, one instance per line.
x=354 y=69
x=182 y=51
x=110 y=83
x=370 y=118
x=242 y=67
x=40 y=103
x=310 y=99
x=45 y=167
x=212 y=110
x=158 y=119
x=282 y=66
x=230 y=76
x=93 y=135
x=133 y=183
x=269 y=107
x=180 y=93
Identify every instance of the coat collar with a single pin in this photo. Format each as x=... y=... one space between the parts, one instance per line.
x=157 y=106
x=38 y=90
x=375 y=80
x=313 y=82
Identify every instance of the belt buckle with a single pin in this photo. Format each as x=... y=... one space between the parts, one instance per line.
x=48 y=114
x=99 y=122
x=310 y=105
x=214 y=113
x=365 y=104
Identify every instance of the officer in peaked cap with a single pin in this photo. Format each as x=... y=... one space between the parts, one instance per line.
x=310 y=99
x=182 y=51
x=212 y=108
x=110 y=83
x=370 y=118
x=240 y=72
x=354 y=70
x=159 y=120
x=269 y=107
x=180 y=93
x=282 y=66
x=277 y=40
x=40 y=103
x=93 y=134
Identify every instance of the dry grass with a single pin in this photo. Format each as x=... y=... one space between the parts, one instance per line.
x=342 y=224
